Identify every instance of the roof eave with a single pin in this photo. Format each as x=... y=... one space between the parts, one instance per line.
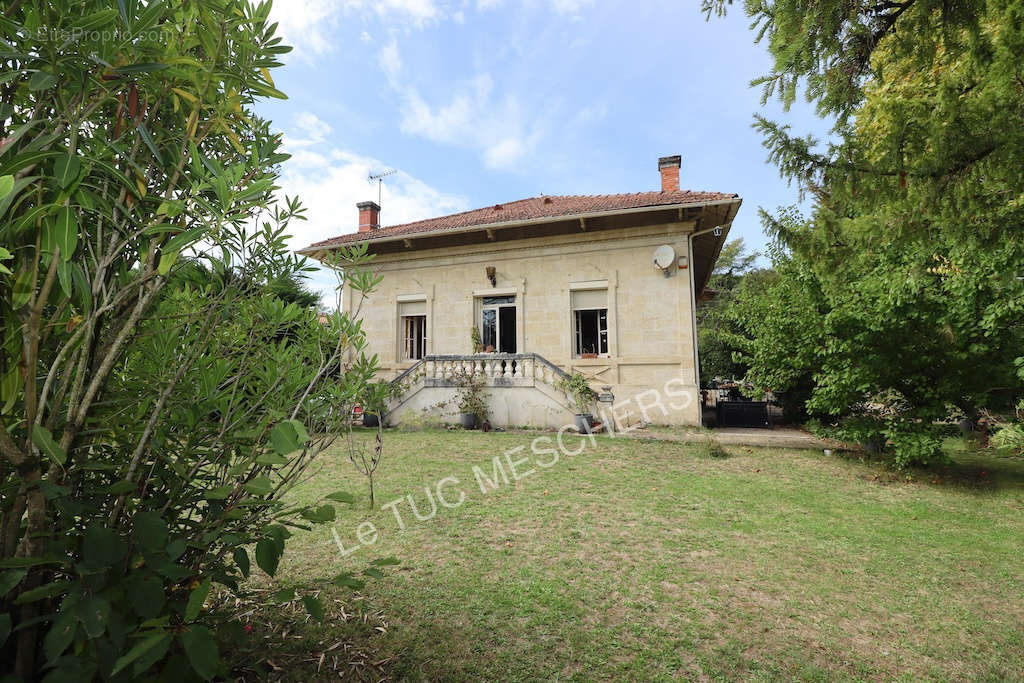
x=316 y=251
x=720 y=242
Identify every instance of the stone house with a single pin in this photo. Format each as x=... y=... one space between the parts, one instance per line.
x=603 y=285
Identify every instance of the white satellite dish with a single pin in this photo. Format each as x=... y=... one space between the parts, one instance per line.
x=664 y=257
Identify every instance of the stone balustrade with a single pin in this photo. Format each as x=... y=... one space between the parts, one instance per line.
x=498 y=369
x=522 y=389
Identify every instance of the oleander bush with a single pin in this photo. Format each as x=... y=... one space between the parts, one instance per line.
x=158 y=400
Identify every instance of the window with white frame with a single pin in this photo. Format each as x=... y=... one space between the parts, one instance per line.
x=590 y=322
x=412 y=317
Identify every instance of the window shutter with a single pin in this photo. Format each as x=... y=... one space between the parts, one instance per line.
x=589 y=299
x=412 y=308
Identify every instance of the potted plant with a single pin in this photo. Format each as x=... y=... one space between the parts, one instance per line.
x=582 y=396
x=472 y=400
x=474 y=339
x=375 y=402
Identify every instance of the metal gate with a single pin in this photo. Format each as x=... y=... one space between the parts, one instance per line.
x=743 y=414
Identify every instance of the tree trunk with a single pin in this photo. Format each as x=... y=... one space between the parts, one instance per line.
x=31 y=546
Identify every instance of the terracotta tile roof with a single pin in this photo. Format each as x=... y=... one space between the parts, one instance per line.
x=528 y=209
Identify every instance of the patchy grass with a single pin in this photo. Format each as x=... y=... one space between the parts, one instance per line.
x=649 y=560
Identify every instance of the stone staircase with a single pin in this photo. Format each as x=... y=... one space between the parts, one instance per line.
x=522 y=390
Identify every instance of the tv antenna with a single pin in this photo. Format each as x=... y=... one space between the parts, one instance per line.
x=379 y=177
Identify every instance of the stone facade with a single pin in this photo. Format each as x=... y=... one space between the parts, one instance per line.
x=650 y=328
x=602 y=285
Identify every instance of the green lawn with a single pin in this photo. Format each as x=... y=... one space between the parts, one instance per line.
x=647 y=560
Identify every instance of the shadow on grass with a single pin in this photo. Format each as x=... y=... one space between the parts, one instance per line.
x=982 y=471
x=968 y=467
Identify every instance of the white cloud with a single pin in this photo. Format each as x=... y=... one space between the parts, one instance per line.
x=313 y=128
x=443 y=124
x=306 y=25
x=473 y=117
x=569 y=6
x=420 y=10
x=331 y=181
x=560 y=6
x=311 y=26
x=390 y=61
x=504 y=153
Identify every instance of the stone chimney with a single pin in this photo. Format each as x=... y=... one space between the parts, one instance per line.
x=669 y=167
x=369 y=216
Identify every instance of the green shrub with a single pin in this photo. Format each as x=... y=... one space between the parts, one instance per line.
x=904 y=441
x=177 y=482
x=154 y=414
x=577 y=388
x=819 y=429
x=1010 y=436
x=914 y=444
x=868 y=431
x=472 y=399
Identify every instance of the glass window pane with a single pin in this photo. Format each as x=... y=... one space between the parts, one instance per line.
x=506 y=329
x=602 y=324
x=590 y=331
x=414 y=337
x=489 y=329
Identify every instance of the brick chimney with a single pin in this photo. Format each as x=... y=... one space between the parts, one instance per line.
x=369 y=216
x=669 y=167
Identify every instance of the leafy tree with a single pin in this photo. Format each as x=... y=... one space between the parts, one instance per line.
x=913 y=246
x=773 y=327
x=150 y=425
x=292 y=288
x=831 y=46
x=734 y=263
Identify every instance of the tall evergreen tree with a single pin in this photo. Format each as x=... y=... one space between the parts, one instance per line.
x=914 y=243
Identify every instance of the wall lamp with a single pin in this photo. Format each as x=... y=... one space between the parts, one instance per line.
x=492 y=275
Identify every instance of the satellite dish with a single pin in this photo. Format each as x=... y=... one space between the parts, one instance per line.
x=664 y=257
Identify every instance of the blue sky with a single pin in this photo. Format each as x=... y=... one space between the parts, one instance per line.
x=478 y=102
